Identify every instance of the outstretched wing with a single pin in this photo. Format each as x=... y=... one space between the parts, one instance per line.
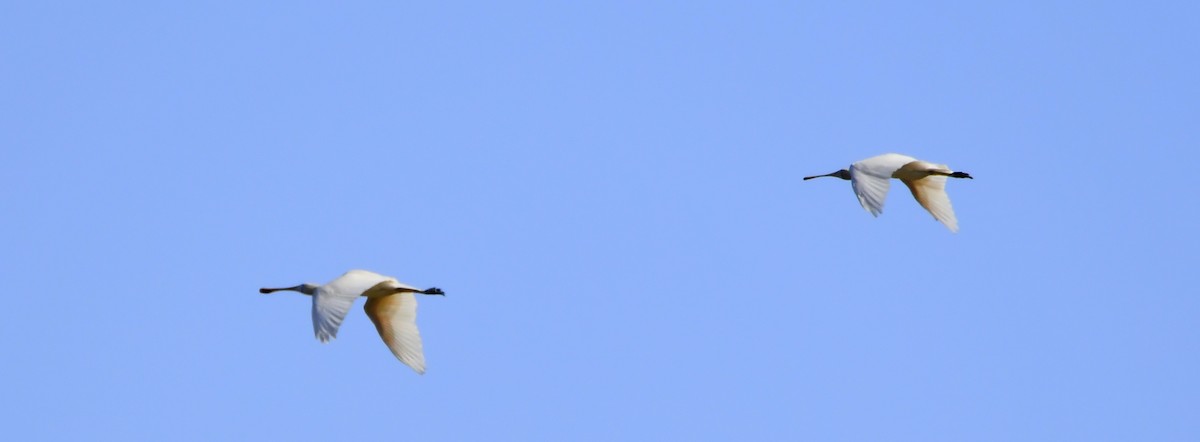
x=869 y=178
x=930 y=191
x=395 y=317
x=870 y=189
x=332 y=301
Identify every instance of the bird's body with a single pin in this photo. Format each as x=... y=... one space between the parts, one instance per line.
x=390 y=305
x=926 y=181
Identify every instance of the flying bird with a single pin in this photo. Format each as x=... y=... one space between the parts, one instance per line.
x=390 y=305
x=926 y=180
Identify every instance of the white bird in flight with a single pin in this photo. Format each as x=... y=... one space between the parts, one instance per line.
x=390 y=305
x=926 y=180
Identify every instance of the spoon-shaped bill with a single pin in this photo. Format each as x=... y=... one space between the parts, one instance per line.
x=269 y=290
x=843 y=174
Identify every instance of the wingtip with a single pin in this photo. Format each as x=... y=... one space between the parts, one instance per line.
x=420 y=369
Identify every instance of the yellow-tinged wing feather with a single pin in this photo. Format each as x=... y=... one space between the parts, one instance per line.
x=395 y=317
x=930 y=191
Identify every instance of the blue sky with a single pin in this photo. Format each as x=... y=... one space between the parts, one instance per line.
x=610 y=194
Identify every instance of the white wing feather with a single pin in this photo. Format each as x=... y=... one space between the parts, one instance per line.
x=332 y=301
x=395 y=317
x=869 y=178
x=871 y=190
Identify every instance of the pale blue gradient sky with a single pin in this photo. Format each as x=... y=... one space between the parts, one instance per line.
x=610 y=194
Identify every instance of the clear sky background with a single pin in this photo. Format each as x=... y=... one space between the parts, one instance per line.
x=610 y=194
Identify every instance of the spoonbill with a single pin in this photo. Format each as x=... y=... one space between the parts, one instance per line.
x=390 y=305
x=926 y=180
